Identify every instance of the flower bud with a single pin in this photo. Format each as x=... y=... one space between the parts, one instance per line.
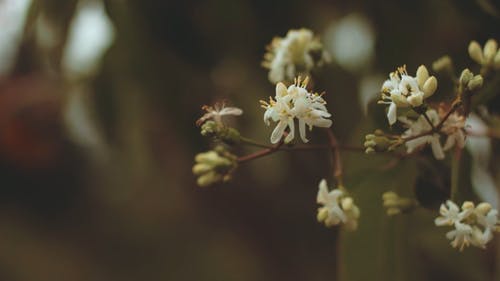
x=467 y=205
x=322 y=214
x=465 y=77
x=443 y=65
x=430 y=86
x=422 y=75
x=347 y=203
x=483 y=208
x=475 y=83
x=496 y=61
x=393 y=211
x=475 y=52
x=490 y=50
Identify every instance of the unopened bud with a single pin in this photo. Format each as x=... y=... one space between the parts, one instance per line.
x=496 y=60
x=468 y=205
x=322 y=214
x=347 y=203
x=490 y=50
x=422 y=75
x=466 y=76
x=475 y=52
x=430 y=86
x=475 y=83
x=483 y=208
x=443 y=65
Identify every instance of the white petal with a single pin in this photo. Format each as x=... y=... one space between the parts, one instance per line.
x=302 y=130
x=391 y=113
x=291 y=134
x=437 y=149
x=277 y=133
x=281 y=90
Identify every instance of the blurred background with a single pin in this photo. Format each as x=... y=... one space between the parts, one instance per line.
x=98 y=100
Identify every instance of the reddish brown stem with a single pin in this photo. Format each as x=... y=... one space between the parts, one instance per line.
x=337 y=161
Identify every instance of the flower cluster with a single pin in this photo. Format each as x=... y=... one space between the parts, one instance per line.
x=214 y=166
x=295 y=102
x=337 y=207
x=298 y=53
x=395 y=204
x=453 y=128
x=474 y=225
x=488 y=57
x=403 y=90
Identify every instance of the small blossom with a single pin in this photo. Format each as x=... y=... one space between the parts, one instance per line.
x=216 y=112
x=450 y=215
x=403 y=90
x=420 y=126
x=295 y=54
x=295 y=102
x=337 y=208
x=462 y=236
x=454 y=129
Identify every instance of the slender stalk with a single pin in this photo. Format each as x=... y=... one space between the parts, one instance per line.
x=455 y=173
x=260 y=153
x=429 y=120
x=337 y=161
x=437 y=128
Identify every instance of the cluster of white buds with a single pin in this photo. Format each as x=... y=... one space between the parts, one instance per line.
x=474 y=225
x=379 y=142
x=402 y=90
x=453 y=128
x=469 y=81
x=214 y=166
x=295 y=102
x=337 y=207
x=488 y=57
x=296 y=54
x=395 y=204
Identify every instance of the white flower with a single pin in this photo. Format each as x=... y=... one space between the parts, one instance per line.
x=453 y=127
x=293 y=55
x=461 y=236
x=473 y=225
x=450 y=215
x=420 y=126
x=295 y=102
x=216 y=113
x=403 y=90
x=337 y=208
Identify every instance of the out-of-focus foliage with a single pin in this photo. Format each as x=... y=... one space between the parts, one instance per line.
x=95 y=159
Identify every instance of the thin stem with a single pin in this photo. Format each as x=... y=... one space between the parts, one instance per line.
x=337 y=161
x=455 y=173
x=353 y=148
x=453 y=108
x=250 y=141
x=429 y=120
x=260 y=153
x=437 y=128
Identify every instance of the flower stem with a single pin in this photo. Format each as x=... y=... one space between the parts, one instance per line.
x=260 y=153
x=455 y=173
x=337 y=161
